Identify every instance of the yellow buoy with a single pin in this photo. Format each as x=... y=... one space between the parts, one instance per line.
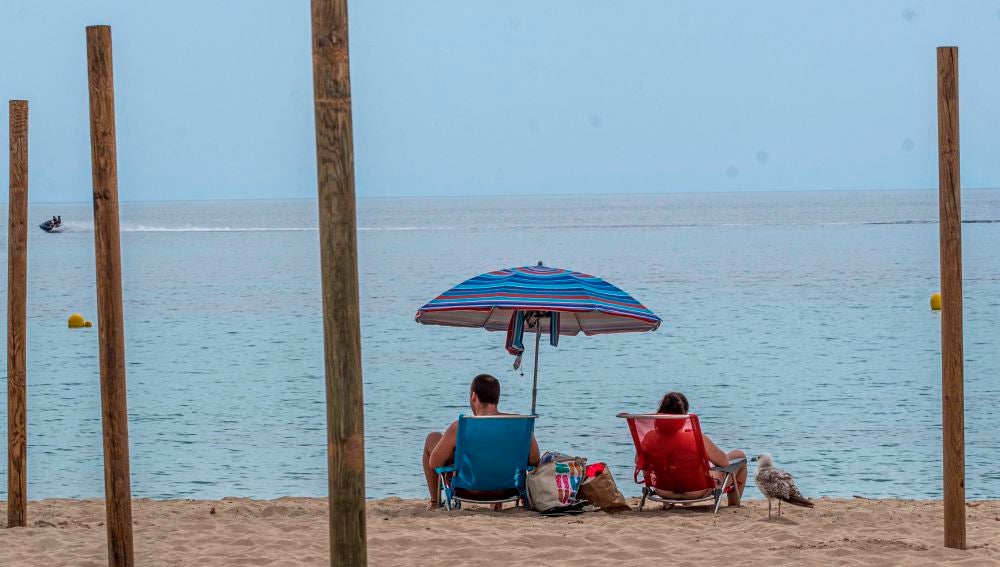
x=88 y=324
x=76 y=321
x=935 y=301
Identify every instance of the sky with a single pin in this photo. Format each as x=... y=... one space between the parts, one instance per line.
x=464 y=97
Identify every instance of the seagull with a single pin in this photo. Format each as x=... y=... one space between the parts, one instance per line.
x=776 y=483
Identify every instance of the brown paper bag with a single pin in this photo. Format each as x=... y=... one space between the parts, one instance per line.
x=602 y=492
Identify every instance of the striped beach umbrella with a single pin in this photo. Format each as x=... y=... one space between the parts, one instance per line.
x=542 y=300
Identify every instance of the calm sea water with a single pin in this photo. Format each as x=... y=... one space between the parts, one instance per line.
x=796 y=323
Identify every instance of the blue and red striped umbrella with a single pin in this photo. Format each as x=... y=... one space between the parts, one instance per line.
x=542 y=299
x=588 y=303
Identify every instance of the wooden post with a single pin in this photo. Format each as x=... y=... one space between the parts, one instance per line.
x=950 y=209
x=17 y=286
x=339 y=262
x=110 y=320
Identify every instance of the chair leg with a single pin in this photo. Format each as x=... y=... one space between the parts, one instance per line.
x=642 y=501
x=720 y=492
x=444 y=498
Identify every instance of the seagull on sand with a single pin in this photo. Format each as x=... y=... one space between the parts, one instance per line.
x=776 y=483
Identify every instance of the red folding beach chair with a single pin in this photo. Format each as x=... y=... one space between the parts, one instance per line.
x=670 y=455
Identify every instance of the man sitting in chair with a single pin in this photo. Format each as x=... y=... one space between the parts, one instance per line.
x=439 y=448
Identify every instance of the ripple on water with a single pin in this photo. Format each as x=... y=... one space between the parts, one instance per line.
x=794 y=326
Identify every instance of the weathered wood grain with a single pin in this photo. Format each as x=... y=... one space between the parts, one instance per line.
x=952 y=379
x=17 y=312
x=341 y=315
x=110 y=319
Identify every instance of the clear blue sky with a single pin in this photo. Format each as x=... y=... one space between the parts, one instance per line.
x=214 y=98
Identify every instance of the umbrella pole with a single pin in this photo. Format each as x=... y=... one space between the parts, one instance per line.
x=534 y=383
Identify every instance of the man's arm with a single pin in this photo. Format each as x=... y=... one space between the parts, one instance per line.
x=533 y=454
x=445 y=449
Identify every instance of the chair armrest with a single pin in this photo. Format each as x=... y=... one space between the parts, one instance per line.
x=732 y=467
x=443 y=470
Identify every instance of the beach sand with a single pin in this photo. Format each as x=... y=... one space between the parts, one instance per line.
x=293 y=531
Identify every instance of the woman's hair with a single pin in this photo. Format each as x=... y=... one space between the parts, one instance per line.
x=674 y=403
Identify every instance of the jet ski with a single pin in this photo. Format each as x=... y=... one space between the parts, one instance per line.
x=53 y=225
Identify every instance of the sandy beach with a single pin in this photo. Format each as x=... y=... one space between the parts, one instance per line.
x=292 y=531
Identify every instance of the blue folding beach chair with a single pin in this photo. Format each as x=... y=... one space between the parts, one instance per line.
x=491 y=461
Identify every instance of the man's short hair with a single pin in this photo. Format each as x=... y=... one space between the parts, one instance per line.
x=486 y=388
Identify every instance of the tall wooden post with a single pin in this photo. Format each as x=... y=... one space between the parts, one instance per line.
x=950 y=208
x=17 y=286
x=341 y=314
x=110 y=320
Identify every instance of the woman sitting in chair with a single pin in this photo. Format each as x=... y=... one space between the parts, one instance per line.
x=675 y=403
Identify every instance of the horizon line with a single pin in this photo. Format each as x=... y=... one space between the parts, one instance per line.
x=540 y=195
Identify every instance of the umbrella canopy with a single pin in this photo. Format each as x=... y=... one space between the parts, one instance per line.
x=540 y=298
x=587 y=303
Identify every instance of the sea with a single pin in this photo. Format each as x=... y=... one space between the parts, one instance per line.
x=797 y=324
